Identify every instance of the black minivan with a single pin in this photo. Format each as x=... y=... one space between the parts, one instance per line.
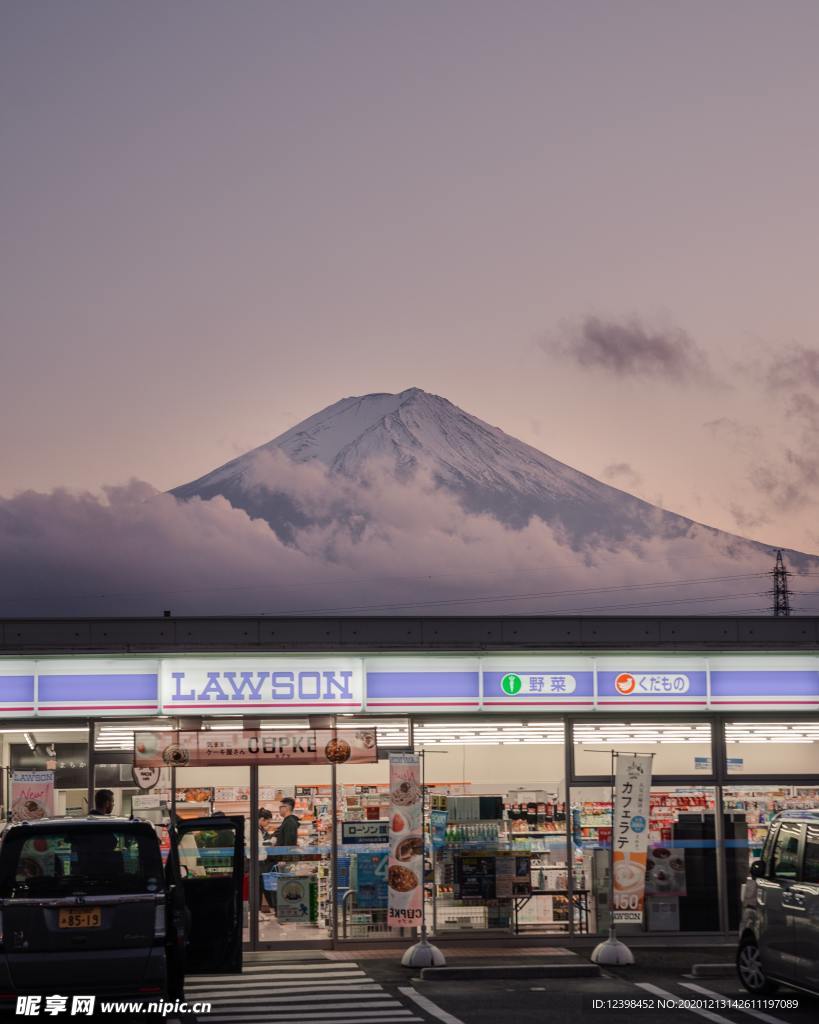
x=100 y=906
x=779 y=930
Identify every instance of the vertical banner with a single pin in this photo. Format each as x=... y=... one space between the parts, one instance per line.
x=405 y=871
x=32 y=795
x=632 y=792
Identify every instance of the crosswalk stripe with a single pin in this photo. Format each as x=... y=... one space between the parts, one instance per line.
x=224 y=995
x=327 y=1014
x=375 y=992
x=367 y=1018
x=371 y=1009
x=210 y=979
x=327 y=993
x=327 y=966
x=352 y=979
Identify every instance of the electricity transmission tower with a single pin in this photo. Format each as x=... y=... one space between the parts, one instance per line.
x=781 y=592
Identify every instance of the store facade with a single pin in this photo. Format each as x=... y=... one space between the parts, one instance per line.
x=517 y=758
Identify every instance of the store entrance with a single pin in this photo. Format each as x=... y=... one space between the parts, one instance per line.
x=216 y=792
x=294 y=827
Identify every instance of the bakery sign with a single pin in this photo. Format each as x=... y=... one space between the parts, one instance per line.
x=284 y=685
x=195 y=749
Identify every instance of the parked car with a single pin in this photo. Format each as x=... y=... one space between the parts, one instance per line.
x=779 y=927
x=87 y=906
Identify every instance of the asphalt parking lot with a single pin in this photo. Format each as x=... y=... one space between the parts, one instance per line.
x=637 y=993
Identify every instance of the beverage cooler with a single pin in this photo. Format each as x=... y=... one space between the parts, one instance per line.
x=696 y=834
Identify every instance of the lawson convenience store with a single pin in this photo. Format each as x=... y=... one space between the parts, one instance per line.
x=517 y=739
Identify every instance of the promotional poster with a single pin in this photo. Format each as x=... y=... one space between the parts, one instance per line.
x=632 y=790
x=404 y=875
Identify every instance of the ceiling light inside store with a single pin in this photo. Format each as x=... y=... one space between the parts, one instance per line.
x=640 y=734
x=772 y=732
x=487 y=734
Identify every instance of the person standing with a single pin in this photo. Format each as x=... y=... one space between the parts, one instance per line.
x=287 y=834
x=265 y=861
x=103 y=803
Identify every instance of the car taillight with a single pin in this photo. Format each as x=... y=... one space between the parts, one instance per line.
x=159 y=921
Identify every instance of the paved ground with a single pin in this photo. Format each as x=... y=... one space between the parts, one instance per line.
x=314 y=989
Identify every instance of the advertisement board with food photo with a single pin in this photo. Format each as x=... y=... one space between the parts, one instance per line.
x=665 y=871
x=404 y=874
x=197 y=749
x=32 y=795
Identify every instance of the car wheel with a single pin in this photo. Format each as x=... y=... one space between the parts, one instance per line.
x=750 y=970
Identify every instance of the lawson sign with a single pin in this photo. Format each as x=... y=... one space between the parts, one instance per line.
x=279 y=684
x=288 y=685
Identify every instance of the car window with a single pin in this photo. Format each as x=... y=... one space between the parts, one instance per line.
x=785 y=863
x=811 y=870
x=61 y=862
x=207 y=852
x=767 y=849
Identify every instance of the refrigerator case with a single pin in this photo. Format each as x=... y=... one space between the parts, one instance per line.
x=699 y=908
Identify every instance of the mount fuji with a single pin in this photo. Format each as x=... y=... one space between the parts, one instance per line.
x=417 y=434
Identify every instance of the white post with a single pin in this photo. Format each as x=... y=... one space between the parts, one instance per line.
x=612 y=950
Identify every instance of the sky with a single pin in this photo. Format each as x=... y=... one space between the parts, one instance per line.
x=592 y=224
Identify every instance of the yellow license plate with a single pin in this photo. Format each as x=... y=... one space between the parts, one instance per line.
x=90 y=918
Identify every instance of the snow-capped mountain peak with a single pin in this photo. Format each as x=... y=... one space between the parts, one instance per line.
x=488 y=470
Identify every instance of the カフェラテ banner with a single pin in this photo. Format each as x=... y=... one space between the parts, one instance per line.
x=629 y=835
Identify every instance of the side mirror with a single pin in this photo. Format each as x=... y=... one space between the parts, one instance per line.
x=757 y=869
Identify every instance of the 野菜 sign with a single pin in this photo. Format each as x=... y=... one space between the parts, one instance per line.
x=544 y=685
x=632 y=792
x=255 y=746
x=405 y=883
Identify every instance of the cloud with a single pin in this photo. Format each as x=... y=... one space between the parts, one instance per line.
x=797 y=366
x=745 y=518
x=384 y=546
x=791 y=481
x=628 y=348
x=622 y=473
x=733 y=432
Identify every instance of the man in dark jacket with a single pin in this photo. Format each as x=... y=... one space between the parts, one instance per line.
x=287 y=834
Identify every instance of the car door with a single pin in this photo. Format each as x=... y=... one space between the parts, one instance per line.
x=777 y=939
x=209 y=856
x=805 y=897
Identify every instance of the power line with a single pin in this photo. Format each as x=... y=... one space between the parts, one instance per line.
x=164 y=592
x=511 y=597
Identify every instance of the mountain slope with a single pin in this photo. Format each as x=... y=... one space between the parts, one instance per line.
x=488 y=470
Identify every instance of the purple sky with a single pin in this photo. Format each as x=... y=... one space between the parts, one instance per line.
x=592 y=224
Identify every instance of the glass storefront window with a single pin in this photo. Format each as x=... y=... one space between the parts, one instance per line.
x=681 y=869
x=679 y=748
x=54 y=760
x=780 y=747
x=501 y=866
x=294 y=851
